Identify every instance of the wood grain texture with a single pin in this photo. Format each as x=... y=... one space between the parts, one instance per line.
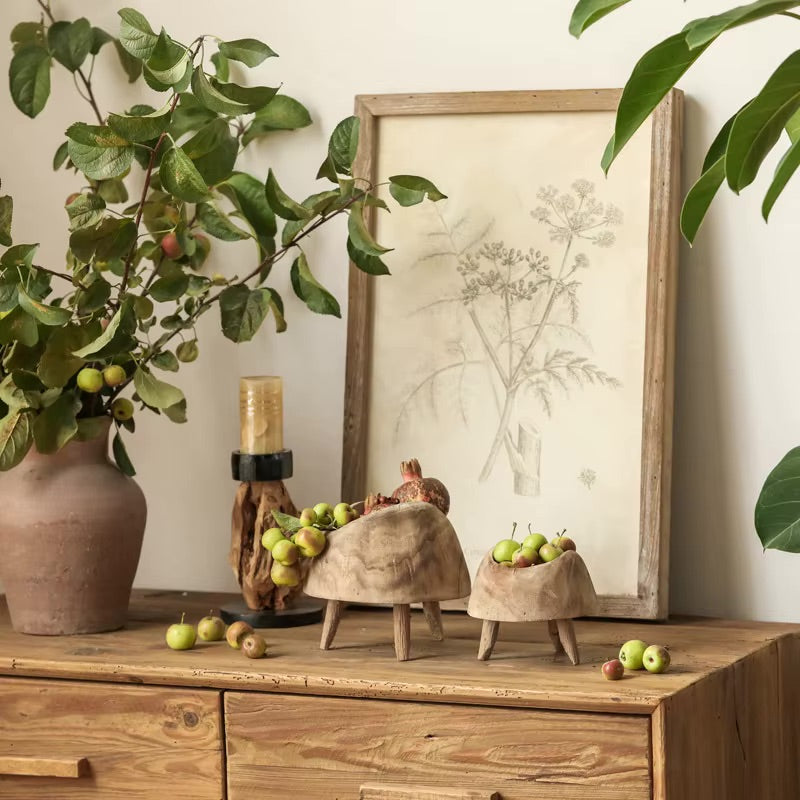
x=332 y=747
x=408 y=553
x=569 y=642
x=789 y=703
x=488 y=640
x=36 y=767
x=380 y=791
x=365 y=665
x=651 y=599
x=401 y=615
x=333 y=615
x=433 y=616
x=559 y=590
x=141 y=743
x=721 y=739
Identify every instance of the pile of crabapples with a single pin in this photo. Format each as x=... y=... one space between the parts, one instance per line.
x=532 y=550
x=302 y=537
x=92 y=381
x=239 y=635
x=637 y=655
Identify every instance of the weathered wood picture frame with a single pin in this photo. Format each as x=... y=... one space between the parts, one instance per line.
x=652 y=259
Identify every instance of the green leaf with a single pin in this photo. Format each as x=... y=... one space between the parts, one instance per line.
x=213 y=149
x=104 y=338
x=758 y=126
x=16 y=437
x=97 y=151
x=70 y=42
x=58 y=363
x=91 y=428
x=282 y=113
x=99 y=39
x=327 y=169
x=15 y=397
x=229 y=98
x=170 y=287
x=167 y=64
x=276 y=306
x=281 y=203
x=113 y=238
x=359 y=234
x=18 y=326
x=94 y=297
x=6 y=213
x=370 y=264
x=131 y=65
x=57 y=424
x=286 y=522
x=121 y=457
x=165 y=360
x=699 y=198
x=112 y=190
x=343 y=144
x=85 y=211
x=140 y=127
x=793 y=127
x=653 y=76
x=27 y=33
x=213 y=221
x=242 y=311
x=190 y=115
x=176 y=413
x=409 y=190
x=29 y=79
x=154 y=392
x=20 y=255
x=703 y=31
x=310 y=291
x=250 y=52
x=222 y=67
x=587 y=12
x=777 y=514
x=47 y=315
x=143 y=307
x=180 y=177
x=61 y=155
x=783 y=172
x=317 y=203
x=187 y=351
x=136 y=35
x=248 y=195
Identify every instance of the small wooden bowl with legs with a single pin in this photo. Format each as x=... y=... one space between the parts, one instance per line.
x=555 y=593
x=401 y=555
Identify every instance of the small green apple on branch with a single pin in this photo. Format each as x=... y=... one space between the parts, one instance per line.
x=133 y=285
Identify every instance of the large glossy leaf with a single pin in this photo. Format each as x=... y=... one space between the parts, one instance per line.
x=29 y=79
x=16 y=437
x=282 y=113
x=758 y=126
x=6 y=213
x=343 y=144
x=777 y=515
x=229 y=98
x=70 y=42
x=250 y=52
x=783 y=172
x=155 y=392
x=136 y=35
x=57 y=424
x=180 y=177
x=310 y=290
x=97 y=151
x=653 y=76
x=587 y=12
x=370 y=264
x=281 y=203
x=167 y=63
x=360 y=236
x=242 y=311
x=121 y=456
x=409 y=190
x=702 y=31
x=699 y=198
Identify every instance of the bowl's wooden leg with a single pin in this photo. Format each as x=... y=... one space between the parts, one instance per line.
x=402 y=631
x=552 y=629
x=333 y=613
x=566 y=632
x=488 y=639
x=433 y=615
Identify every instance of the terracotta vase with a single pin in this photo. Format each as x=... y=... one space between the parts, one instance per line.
x=71 y=529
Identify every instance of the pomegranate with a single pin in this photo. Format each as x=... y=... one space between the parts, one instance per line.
x=377 y=502
x=419 y=489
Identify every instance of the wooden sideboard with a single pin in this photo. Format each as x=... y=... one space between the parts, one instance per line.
x=120 y=716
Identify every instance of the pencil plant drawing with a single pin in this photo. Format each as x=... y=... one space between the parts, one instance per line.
x=587 y=477
x=524 y=305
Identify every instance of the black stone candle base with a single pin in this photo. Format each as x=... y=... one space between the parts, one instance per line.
x=305 y=611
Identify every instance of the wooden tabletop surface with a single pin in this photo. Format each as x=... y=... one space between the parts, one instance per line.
x=522 y=672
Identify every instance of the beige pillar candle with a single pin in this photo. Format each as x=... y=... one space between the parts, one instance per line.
x=261 y=414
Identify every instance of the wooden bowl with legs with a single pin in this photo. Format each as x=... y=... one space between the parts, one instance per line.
x=555 y=593
x=400 y=555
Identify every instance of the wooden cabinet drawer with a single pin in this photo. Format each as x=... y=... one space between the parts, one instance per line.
x=318 y=748
x=81 y=740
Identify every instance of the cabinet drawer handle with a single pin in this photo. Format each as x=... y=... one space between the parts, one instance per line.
x=44 y=767
x=375 y=791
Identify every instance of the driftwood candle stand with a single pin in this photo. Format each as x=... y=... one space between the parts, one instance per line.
x=401 y=555
x=555 y=593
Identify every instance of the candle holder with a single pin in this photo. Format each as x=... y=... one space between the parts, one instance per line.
x=261 y=464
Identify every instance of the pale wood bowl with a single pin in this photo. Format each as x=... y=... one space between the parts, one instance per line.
x=405 y=554
x=556 y=593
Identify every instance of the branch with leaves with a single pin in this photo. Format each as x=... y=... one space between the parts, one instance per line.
x=136 y=272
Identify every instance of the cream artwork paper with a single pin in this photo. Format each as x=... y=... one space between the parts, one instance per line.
x=509 y=343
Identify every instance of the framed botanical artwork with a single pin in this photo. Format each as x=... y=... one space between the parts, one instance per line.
x=523 y=348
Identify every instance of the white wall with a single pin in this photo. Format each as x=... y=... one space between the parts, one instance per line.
x=737 y=409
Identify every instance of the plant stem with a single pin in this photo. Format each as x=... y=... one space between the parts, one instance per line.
x=62 y=275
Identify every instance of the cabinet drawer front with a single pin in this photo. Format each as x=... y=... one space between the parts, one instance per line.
x=340 y=749
x=80 y=740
